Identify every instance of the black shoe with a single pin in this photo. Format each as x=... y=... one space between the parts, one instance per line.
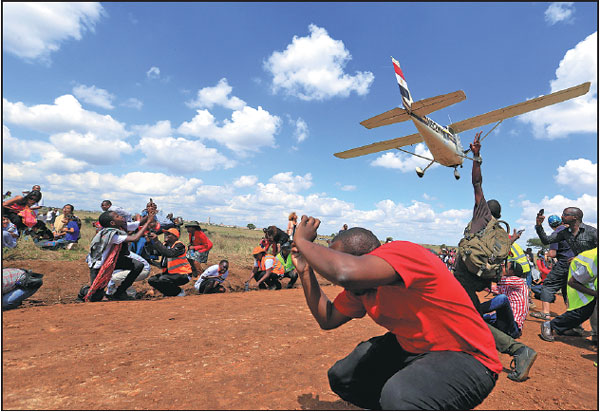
x=120 y=296
x=546 y=333
x=521 y=363
x=577 y=331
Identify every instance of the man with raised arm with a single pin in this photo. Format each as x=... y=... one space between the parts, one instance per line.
x=438 y=353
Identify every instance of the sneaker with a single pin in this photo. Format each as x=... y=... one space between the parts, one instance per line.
x=182 y=293
x=540 y=315
x=546 y=333
x=521 y=364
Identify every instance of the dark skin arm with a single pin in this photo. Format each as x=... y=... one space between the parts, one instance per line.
x=163 y=250
x=137 y=235
x=323 y=310
x=349 y=271
x=476 y=178
x=581 y=288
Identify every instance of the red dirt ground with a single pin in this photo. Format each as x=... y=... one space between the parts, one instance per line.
x=259 y=350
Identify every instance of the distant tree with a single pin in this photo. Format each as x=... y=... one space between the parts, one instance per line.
x=535 y=242
x=251 y=227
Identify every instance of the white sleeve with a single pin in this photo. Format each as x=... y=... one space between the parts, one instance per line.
x=116 y=239
x=131 y=226
x=269 y=264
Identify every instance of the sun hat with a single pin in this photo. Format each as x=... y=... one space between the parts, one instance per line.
x=257 y=250
x=193 y=223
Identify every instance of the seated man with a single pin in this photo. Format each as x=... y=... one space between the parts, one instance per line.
x=119 y=276
x=18 y=285
x=511 y=304
x=285 y=258
x=176 y=270
x=109 y=251
x=582 y=292
x=266 y=270
x=10 y=234
x=438 y=354
x=211 y=280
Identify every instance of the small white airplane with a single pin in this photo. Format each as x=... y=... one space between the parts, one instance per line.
x=444 y=142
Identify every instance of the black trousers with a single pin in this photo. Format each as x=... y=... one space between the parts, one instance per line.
x=124 y=262
x=271 y=281
x=379 y=374
x=573 y=318
x=293 y=278
x=168 y=284
x=555 y=281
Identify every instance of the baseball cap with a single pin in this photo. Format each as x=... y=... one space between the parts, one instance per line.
x=257 y=250
x=173 y=231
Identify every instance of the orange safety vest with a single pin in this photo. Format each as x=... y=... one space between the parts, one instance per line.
x=178 y=265
x=278 y=268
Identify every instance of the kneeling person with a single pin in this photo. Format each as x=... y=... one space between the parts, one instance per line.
x=285 y=258
x=438 y=354
x=211 y=280
x=176 y=269
x=266 y=270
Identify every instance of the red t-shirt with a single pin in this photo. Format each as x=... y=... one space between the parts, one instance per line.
x=430 y=312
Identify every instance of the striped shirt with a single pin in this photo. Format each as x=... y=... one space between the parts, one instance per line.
x=515 y=288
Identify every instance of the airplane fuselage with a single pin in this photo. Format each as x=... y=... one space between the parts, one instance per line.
x=444 y=145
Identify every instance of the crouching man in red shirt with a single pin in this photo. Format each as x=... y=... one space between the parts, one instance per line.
x=438 y=354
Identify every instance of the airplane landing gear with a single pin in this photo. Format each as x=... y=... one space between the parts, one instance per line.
x=456 y=174
x=421 y=172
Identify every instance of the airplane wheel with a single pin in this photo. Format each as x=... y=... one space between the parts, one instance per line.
x=420 y=172
x=456 y=174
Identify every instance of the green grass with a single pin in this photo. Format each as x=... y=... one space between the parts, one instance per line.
x=232 y=243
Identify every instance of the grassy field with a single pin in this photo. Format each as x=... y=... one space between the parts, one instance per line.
x=228 y=242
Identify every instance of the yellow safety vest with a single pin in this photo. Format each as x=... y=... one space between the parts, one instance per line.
x=517 y=254
x=587 y=261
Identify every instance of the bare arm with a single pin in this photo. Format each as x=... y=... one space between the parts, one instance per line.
x=476 y=178
x=325 y=313
x=349 y=271
x=137 y=235
x=11 y=201
x=581 y=288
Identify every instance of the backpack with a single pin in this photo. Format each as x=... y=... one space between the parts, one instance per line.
x=484 y=252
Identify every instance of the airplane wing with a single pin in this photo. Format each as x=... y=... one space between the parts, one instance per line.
x=380 y=146
x=422 y=108
x=520 y=108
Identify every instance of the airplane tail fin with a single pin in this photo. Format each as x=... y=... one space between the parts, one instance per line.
x=406 y=97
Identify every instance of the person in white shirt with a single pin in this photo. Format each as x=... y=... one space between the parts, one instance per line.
x=211 y=280
x=119 y=276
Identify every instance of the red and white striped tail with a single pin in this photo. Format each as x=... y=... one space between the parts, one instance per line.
x=406 y=97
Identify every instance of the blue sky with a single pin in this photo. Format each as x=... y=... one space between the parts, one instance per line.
x=233 y=111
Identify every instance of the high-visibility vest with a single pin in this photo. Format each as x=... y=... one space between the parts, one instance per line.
x=288 y=266
x=178 y=264
x=277 y=266
x=587 y=261
x=518 y=255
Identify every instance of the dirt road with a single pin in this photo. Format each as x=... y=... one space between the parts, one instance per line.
x=257 y=350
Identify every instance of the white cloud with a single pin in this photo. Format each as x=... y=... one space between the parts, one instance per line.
x=95 y=96
x=90 y=147
x=248 y=130
x=162 y=128
x=182 y=155
x=32 y=30
x=559 y=11
x=348 y=188
x=153 y=73
x=312 y=68
x=301 y=132
x=245 y=181
x=554 y=206
x=405 y=162
x=289 y=183
x=579 y=115
x=579 y=175
x=64 y=115
x=217 y=95
x=133 y=103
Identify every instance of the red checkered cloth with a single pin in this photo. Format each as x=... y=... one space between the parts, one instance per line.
x=105 y=272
